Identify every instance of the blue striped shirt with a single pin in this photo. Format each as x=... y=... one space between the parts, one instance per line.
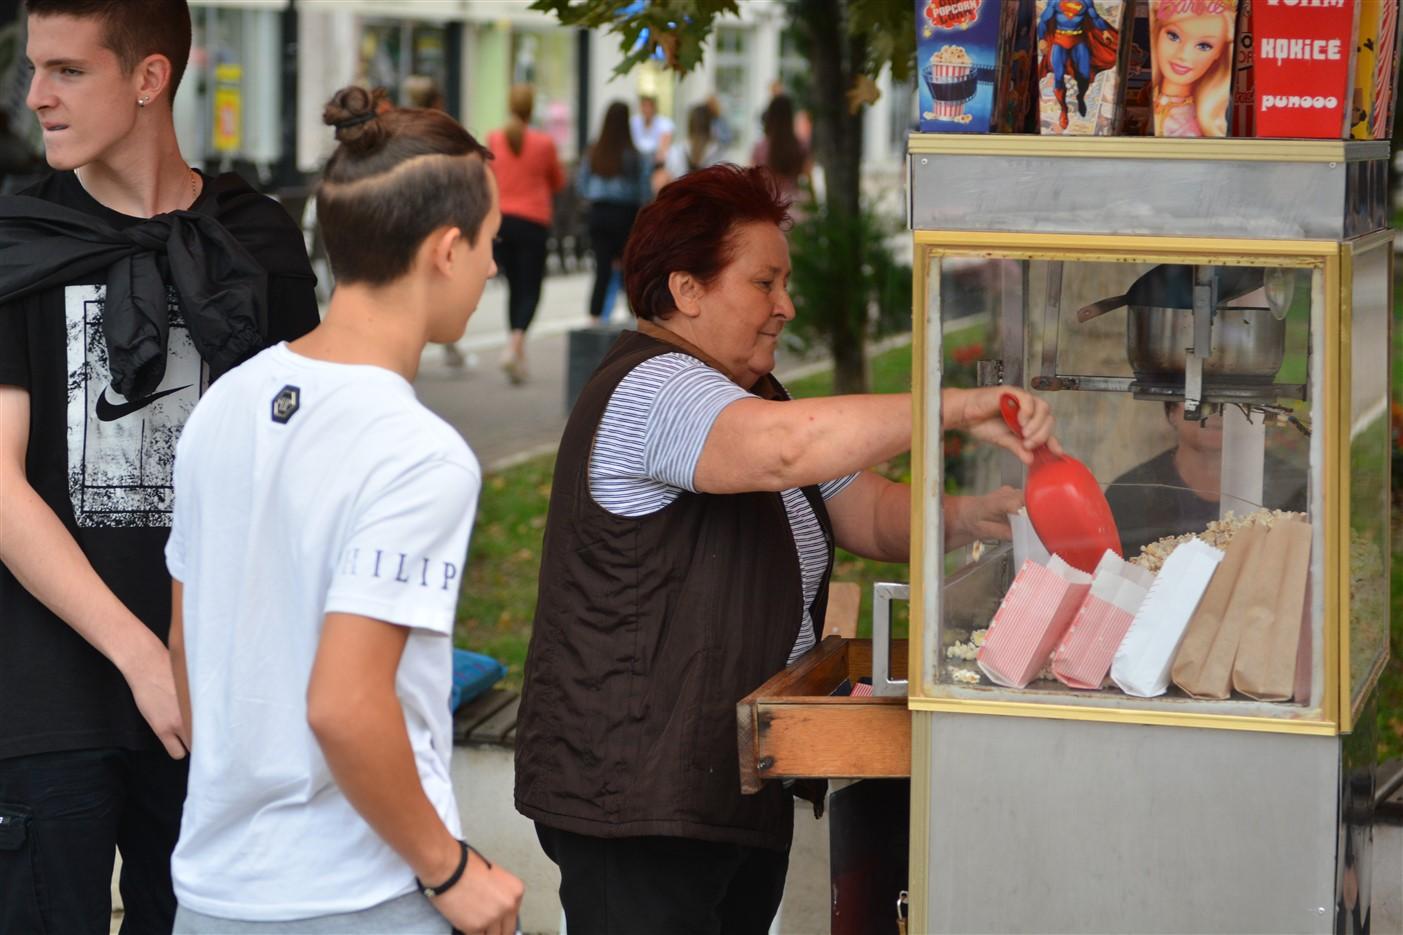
x=650 y=440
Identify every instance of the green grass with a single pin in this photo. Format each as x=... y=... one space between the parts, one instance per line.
x=1390 y=690
x=498 y=598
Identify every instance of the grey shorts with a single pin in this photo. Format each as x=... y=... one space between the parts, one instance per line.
x=410 y=914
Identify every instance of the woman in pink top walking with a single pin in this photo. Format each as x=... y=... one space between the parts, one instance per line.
x=528 y=176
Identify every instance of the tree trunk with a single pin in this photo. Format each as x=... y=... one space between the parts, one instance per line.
x=837 y=58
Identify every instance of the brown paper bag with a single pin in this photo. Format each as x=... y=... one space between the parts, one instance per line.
x=1266 y=658
x=1305 y=652
x=1203 y=665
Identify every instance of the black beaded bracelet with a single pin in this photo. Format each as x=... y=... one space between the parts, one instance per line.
x=457 y=874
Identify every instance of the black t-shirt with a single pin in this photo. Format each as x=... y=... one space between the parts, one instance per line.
x=1151 y=501
x=103 y=464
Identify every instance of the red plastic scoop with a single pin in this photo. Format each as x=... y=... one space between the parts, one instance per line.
x=1068 y=509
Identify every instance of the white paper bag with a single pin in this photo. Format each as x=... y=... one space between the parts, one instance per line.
x=1144 y=658
x=1026 y=544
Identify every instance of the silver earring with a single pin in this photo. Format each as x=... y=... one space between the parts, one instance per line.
x=142 y=102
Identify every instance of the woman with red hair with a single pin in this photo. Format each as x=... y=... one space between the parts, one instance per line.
x=687 y=552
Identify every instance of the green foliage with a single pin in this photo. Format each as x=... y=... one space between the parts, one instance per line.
x=498 y=599
x=838 y=254
x=679 y=27
x=890 y=26
x=676 y=27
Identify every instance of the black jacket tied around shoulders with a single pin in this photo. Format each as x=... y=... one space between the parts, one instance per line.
x=221 y=288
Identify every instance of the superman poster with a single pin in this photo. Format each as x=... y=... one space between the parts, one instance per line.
x=1080 y=66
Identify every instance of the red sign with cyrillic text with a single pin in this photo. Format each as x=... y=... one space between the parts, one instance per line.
x=1302 y=67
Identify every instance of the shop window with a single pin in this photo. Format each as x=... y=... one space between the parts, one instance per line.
x=733 y=89
x=409 y=60
x=545 y=59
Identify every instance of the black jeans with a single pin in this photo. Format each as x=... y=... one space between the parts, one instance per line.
x=64 y=815
x=647 y=885
x=609 y=227
x=520 y=253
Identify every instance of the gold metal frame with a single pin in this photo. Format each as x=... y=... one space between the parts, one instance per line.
x=1131 y=147
x=1317 y=254
x=1336 y=488
x=1381 y=240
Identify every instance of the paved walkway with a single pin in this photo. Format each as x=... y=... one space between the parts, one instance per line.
x=503 y=423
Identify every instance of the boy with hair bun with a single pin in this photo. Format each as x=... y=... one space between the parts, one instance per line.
x=322 y=518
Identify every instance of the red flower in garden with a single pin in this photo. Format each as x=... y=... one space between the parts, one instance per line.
x=968 y=354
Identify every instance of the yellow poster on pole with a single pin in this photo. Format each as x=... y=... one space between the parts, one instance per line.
x=228 y=108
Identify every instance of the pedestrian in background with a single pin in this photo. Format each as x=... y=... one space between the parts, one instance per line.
x=702 y=148
x=721 y=130
x=17 y=160
x=528 y=176
x=614 y=178
x=651 y=131
x=781 y=150
x=423 y=92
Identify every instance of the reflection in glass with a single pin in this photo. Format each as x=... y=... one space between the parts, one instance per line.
x=1369 y=452
x=1107 y=344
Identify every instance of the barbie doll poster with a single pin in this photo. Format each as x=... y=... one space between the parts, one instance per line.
x=1191 y=58
x=1302 y=69
x=957 y=56
x=1081 y=67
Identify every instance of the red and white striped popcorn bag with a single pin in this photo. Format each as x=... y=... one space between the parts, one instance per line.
x=949 y=74
x=1035 y=612
x=1117 y=589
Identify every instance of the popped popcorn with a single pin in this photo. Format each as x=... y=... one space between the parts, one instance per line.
x=968 y=650
x=951 y=55
x=1218 y=534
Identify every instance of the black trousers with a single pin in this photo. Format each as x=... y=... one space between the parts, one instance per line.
x=650 y=885
x=64 y=815
x=520 y=253
x=609 y=227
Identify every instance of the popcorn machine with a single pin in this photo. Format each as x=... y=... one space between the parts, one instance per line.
x=1179 y=739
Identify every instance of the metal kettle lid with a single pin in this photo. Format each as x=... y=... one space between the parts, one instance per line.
x=1171 y=285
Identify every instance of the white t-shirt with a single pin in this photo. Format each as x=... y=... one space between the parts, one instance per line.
x=678 y=160
x=304 y=487
x=648 y=139
x=650 y=439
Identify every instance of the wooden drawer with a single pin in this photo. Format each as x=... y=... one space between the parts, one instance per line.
x=792 y=727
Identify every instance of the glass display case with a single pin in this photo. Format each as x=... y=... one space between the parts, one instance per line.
x=1209 y=321
x=1211 y=385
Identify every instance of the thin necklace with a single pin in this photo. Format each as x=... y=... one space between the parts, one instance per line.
x=194 y=186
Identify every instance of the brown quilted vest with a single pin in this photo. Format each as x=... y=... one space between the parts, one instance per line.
x=648 y=631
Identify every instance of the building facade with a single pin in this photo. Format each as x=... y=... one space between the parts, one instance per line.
x=261 y=71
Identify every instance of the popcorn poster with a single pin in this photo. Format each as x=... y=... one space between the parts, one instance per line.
x=1080 y=66
x=957 y=49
